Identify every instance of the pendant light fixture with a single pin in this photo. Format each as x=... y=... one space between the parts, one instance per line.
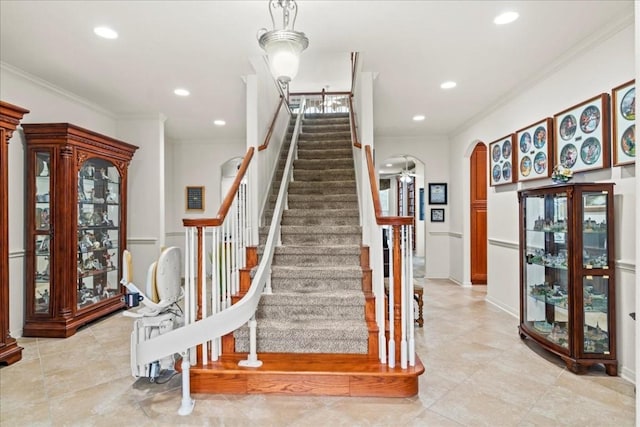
x=283 y=45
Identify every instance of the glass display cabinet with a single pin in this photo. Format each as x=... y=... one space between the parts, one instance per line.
x=567 y=273
x=10 y=116
x=76 y=227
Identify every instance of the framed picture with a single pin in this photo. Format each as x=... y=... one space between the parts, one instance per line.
x=624 y=127
x=535 y=150
x=437 y=193
x=437 y=215
x=194 y=198
x=501 y=160
x=581 y=135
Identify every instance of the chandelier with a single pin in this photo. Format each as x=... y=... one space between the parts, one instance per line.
x=283 y=45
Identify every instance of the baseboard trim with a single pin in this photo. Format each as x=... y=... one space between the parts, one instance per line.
x=628 y=374
x=142 y=240
x=501 y=306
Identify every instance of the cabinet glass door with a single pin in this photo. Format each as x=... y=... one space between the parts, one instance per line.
x=594 y=230
x=42 y=233
x=546 y=305
x=596 y=314
x=98 y=232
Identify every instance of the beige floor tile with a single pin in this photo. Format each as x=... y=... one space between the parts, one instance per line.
x=477 y=372
x=21 y=384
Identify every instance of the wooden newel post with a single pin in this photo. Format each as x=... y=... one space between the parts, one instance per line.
x=199 y=279
x=397 y=289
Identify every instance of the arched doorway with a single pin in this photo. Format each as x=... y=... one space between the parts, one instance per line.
x=478 y=214
x=401 y=190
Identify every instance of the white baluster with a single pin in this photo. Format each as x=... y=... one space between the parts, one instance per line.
x=188 y=403
x=403 y=296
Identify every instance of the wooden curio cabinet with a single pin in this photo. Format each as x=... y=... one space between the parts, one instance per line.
x=567 y=273
x=76 y=207
x=10 y=116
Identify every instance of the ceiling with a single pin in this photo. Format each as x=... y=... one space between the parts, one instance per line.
x=208 y=46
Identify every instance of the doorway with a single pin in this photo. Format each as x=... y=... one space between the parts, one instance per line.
x=478 y=214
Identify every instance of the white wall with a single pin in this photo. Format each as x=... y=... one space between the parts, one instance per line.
x=434 y=153
x=47 y=104
x=595 y=68
x=196 y=163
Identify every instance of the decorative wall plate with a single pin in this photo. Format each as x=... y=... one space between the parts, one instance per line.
x=582 y=135
x=502 y=160
x=624 y=128
x=535 y=143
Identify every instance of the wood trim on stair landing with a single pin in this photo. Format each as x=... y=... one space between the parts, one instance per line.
x=307 y=374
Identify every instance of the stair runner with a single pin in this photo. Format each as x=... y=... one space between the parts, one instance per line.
x=317 y=305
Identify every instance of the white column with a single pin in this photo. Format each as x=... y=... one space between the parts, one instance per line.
x=252 y=141
x=146 y=190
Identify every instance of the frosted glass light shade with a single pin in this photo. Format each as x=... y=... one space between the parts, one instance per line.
x=284 y=59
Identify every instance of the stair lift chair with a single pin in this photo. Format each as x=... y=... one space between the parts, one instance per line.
x=160 y=312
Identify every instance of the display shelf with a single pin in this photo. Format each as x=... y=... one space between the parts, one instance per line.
x=76 y=281
x=567 y=302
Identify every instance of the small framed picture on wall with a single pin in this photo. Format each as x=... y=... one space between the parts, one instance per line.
x=535 y=150
x=437 y=193
x=437 y=215
x=501 y=160
x=581 y=135
x=624 y=126
x=194 y=198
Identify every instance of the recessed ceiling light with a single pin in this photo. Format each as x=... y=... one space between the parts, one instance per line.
x=506 y=18
x=219 y=122
x=181 y=92
x=105 y=32
x=389 y=165
x=448 y=85
x=418 y=118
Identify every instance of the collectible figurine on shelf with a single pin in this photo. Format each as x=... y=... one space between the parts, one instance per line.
x=106 y=243
x=102 y=174
x=44 y=218
x=43 y=167
x=87 y=171
x=107 y=260
x=44 y=297
x=111 y=197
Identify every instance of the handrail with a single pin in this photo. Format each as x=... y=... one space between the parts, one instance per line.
x=273 y=125
x=377 y=207
x=354 y=128
x=202 y=332
x=228 y=200
x=354 y=66
x=322 y=92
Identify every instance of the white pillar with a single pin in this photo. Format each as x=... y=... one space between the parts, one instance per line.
x=146 y=192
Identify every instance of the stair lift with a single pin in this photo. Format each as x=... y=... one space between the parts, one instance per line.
x=160 y=311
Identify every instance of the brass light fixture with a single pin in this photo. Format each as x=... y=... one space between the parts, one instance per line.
x=283 y=45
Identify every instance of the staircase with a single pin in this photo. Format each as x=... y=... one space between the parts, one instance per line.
x=317 y=305
x=316 y=332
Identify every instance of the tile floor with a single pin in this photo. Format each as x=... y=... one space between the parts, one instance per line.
x=478 y=372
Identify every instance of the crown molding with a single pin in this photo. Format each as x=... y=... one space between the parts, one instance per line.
x=55 y=89
x=579 y=48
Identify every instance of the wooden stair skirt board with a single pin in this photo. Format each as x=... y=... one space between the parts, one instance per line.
x=306 y=375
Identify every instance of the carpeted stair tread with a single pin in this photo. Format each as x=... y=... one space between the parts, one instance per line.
x=321 y=272
x=311 y=336
x=306 y=250
x=326 y=175
x=317 y=304
x=319 y=198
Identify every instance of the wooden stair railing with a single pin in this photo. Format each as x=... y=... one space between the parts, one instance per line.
x=398 y=298
x=200 y=224
x=267 y=138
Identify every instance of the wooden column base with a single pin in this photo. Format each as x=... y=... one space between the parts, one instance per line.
x=10 y=353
